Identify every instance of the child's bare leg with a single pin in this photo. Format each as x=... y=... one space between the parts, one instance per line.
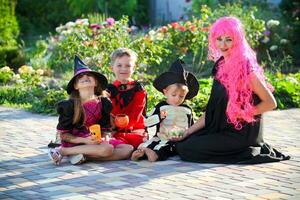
x=152 y=156
x=138 y=154
x=121 y=152
x=101 y=150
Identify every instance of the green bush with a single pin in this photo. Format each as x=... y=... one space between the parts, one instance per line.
x=10 y=53
x=9 y=29
x=94 y=42
x=42 y=99
x=48 y=100
x=41 y=17
x=291 y=12
x=287 y=89
x=253 y=26
x=200 y=101
x=157 y=49
x=11 y=56
x=6 y=75
x=268 y=32
x=35 y=99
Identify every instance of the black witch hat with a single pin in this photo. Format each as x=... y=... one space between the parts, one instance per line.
x=177 y=74
x=79 y=68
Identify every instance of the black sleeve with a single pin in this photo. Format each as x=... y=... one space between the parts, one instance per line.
x=215 y=68
x=192 y=118
x=140 y=87
x=106 y=110
x=65 y=109
x=157 y=111
x=112 y=90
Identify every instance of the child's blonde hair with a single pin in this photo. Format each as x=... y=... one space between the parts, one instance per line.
x=179 y=86
x=120 y=52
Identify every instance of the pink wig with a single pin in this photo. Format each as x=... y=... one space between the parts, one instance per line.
x=234 y=71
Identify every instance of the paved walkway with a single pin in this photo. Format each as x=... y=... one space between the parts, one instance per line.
x=27 y=173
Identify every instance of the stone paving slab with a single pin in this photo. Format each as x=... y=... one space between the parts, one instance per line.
x=27 y=173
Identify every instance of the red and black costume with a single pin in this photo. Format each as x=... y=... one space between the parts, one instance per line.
x=129 y=99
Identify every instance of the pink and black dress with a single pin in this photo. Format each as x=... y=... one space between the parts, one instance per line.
x=96 y=112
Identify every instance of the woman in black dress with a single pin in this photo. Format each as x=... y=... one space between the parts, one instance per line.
x=230 y=129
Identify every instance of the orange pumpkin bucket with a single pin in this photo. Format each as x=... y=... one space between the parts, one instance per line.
x=121 y=120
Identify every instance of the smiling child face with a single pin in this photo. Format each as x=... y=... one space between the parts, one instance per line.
x=85 y=80
x=123 y=68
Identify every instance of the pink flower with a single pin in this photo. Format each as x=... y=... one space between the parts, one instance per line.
x=95 y=26
x=182 y=28
x=174 y=25
x=163 y=29
x=110 y=21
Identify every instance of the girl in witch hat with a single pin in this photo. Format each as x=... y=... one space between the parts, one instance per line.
x=85 y=107
x=171 y=116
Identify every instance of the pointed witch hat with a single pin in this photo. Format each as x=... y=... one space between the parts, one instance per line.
x=177 y=74
x=79 y=68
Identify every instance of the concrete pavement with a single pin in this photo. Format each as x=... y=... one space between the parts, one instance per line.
x=27 y=173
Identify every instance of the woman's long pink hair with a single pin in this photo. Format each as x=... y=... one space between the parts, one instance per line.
x=234 y=71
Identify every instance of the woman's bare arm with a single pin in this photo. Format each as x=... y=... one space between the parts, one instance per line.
x=268 y=101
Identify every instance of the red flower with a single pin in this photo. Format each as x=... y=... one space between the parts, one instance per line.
x=205 y=28
x=95 y=26
x=174 y=25
x=182 y=28
x=192 y=28
x=163 y=29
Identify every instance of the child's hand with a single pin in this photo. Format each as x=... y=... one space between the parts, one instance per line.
x=163 y=114
x=180 y=137
x=89 y=140
x=176 y=138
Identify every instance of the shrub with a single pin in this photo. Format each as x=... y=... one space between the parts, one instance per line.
x=10 y=53
x=253 y=26
x=94 y=42
x=287 y=89
x=6 y=74
x=9 y=29
x=272 y=37
x=291 y=12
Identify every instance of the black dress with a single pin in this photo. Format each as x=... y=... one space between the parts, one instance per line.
x=220 y=142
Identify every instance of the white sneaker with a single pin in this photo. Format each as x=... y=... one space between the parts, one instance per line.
x=77 y=159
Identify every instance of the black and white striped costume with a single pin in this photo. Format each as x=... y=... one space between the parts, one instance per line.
x=177 y=116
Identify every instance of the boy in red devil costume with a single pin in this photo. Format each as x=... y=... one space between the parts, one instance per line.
x=128 y=97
